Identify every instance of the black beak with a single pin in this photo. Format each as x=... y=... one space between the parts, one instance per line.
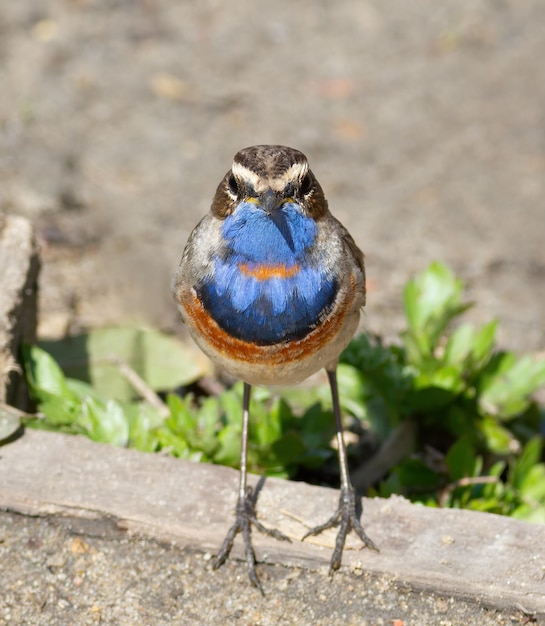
x=269 y=201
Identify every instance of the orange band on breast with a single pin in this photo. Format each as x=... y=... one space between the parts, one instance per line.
x=264 y=272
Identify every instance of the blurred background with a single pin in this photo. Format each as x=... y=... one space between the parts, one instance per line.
x=423 y=121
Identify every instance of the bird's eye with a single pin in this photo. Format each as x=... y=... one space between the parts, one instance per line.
x=233 y=185
x=306 y=184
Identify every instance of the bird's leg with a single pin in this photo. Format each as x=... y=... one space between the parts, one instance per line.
x=345 y=516
x=245 y=510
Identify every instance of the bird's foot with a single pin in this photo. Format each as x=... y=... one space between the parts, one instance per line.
x=244 y=518
x=345 y=517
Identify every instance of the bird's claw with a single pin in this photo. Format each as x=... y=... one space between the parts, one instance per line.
x=346 y=518
x=244 y=518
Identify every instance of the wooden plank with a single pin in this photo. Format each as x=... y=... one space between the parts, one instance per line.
x=496 y=561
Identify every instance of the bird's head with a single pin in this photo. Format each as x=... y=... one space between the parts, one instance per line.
x=269 y=177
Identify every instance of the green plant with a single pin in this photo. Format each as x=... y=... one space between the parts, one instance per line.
x=452 y=417
x=206 y=430
x=477 y=442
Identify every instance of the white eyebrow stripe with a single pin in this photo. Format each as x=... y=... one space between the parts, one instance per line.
x=294 y=172
x=243 y=173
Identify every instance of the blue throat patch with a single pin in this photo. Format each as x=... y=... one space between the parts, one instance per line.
x=264 y=289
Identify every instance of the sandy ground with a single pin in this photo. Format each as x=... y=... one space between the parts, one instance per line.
x=424 y=122
x=53 y=576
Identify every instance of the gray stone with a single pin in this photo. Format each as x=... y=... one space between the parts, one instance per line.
x=19 y=268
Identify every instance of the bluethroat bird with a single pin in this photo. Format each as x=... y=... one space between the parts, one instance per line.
x=270 y=286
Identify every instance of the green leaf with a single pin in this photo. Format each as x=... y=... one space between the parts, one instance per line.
x=432 y=300
x=45 y=378
x=496 y=490
x=507 y=385
x=317 y=427
x=530 y=513
x=483 y=343
x=168 y=441
x=486 y=505
x=61 y=411
x=268 y=429
x=182 y=419
x=447 y=377
x=82 y=390
x=161 y=361
x=289 y=449
x=529 y=457
x=461 y=460
x=105 y=423
x=143 y=419
x=430 y=399
x=532 y=484
x=460 y=345
x=231 y=405
x=197 y=426
x=470 y=349
x=411 y=476
x=498 y=439
x=373 y=384
x=352 y=390
x=208 y=423
x=229 y=447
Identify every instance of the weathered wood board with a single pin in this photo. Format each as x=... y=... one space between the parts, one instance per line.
x=493 y=560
